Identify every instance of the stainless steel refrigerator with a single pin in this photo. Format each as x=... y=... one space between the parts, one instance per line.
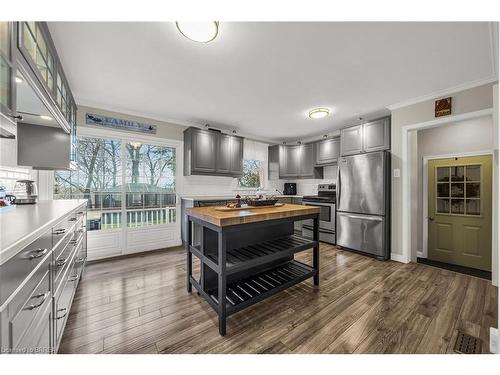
x=363 y=203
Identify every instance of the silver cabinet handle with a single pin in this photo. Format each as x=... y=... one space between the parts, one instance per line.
x=72 y=219
x=38 y=253
x=60 y=231
x=74 y=278
x=72 y=242
x=37 y=305
x=80 y=213
x=61 y=262
x=65 y=313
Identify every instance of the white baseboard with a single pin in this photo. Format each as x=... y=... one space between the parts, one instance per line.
x=494 y=344
x=398 y=258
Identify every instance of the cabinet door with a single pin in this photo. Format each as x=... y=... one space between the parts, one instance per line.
x=306 y=156
x=289 y=161
x=223 y=162
x=7 y=71
x=327 y=151
x=351 y=140
x=203 y=152
x=376 y=135
x=236 y=156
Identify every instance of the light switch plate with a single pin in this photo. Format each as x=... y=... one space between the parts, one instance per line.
x=396 y=173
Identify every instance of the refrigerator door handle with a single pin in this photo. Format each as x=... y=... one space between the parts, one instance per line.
x=339 y=187
x=370 y=218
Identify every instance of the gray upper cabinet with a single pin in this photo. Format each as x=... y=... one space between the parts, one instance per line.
x=289 y=161
x=376 y=135
x=208 y=152
x=237 y=144
x=371 y=136
x=351 y=140
x=327 y=151
x=223 y=159
x=292 y=162
x=307 y=168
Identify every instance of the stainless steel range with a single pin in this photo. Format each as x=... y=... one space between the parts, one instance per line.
x=325 y=200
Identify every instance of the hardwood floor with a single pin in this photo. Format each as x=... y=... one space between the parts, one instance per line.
x=140 y=305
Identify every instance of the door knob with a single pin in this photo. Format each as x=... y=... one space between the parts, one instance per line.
x=431 y=218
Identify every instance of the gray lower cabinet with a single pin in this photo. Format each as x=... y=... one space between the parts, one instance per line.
x=292 y=162
x=368 y=137
x=212 y=153
x=33 y=312
x=327 y=151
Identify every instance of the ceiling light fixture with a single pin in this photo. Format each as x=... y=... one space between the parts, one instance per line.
x=202 y=32
x=44 y=117
x=319 y=112
x=19 y=80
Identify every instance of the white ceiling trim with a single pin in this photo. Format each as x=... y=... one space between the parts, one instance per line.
x=441 y=93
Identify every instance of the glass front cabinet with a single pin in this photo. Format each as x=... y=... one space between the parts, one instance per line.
x=27 y=48
x=7 y=71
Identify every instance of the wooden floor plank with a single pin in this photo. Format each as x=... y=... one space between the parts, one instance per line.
x=139 y=304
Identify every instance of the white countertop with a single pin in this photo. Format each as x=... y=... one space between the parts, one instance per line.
x=223 y=197
x=22 y=225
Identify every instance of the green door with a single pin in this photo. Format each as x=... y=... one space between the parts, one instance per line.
x=460 y=211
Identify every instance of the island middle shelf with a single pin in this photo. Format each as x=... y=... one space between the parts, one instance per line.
x=249 y=256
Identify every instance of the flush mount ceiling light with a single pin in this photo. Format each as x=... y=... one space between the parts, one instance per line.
x=319 y=112
x=202 y=32
x=43 y=117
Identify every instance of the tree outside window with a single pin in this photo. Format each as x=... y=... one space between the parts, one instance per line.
x=252 y=174
x=109 y=170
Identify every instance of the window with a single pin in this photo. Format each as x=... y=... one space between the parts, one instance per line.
x=150 y=184
x=458 y=190
x=252 y=174
x=123 y=181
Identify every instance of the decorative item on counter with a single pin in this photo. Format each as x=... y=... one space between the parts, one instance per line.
x=238 y=197
x=5 y=200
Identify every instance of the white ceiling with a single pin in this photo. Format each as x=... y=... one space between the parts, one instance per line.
x=261 y=78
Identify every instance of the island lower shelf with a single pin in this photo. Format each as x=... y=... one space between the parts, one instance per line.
x=242 y=263
x=245 y=292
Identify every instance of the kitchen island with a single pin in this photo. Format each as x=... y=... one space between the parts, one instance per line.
x=248 y=255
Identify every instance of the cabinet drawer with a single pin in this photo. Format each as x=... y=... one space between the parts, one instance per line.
x=62 y=305
x=18 y=268
x=60 y=230
x=39 y=341
x=36 y=302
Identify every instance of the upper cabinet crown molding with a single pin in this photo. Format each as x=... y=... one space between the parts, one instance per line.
x=212 y=153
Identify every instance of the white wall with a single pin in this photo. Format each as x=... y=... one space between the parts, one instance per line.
x=463 y=137
x=474 y=99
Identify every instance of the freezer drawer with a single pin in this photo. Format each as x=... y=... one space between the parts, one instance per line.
x=362 y=232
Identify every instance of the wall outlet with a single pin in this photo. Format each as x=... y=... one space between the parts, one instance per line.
x=396 y=173
x=494 y=340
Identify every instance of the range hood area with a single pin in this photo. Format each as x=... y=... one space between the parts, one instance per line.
x=38 y=121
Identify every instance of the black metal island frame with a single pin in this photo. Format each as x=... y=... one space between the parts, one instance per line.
x=247 y=256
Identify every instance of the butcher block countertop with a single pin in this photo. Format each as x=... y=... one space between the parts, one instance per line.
x=227 y=218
